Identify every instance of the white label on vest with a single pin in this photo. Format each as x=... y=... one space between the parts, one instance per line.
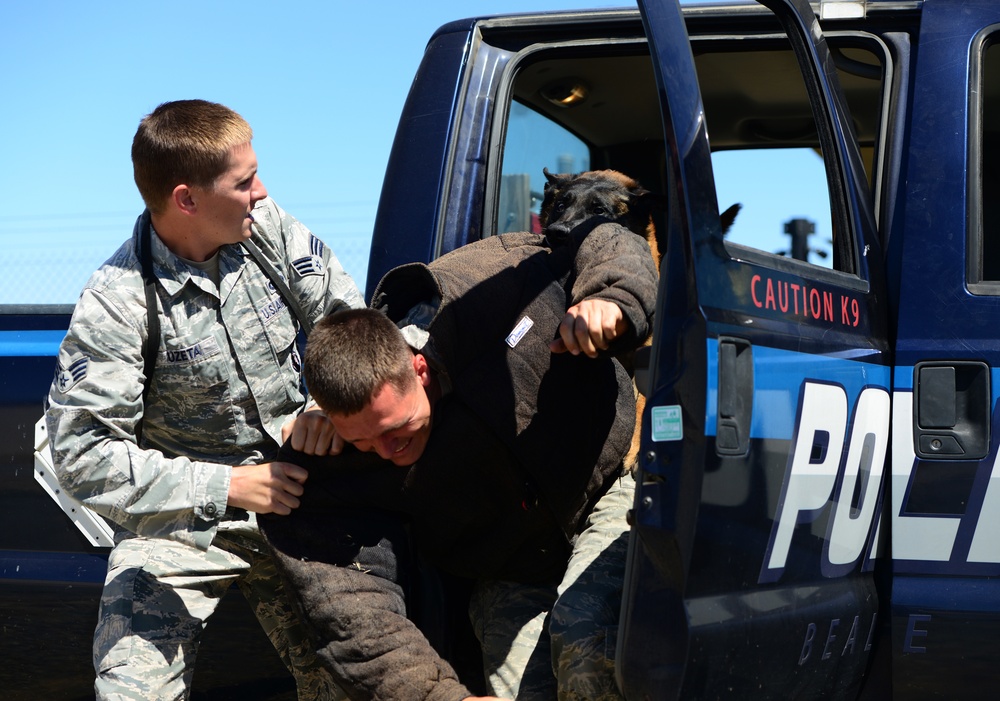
x=518 y=333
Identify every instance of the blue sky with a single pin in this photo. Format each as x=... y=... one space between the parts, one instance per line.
x=321 y=82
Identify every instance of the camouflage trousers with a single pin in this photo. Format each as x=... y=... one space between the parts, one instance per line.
x=546 y=642
x=158 y=595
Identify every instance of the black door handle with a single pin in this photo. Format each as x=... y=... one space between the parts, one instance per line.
x=951 y=410
x=735 y=397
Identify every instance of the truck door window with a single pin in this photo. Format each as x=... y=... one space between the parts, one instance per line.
x=534 y=142
x=789 y=212
x=984 y=265
x=765 y=146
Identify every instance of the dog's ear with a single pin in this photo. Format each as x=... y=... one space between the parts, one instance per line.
x=644 y=202
x=727 y=218
x=548 y=195
x=556 y=180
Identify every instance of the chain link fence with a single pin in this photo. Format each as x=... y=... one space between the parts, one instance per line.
x=36 y=273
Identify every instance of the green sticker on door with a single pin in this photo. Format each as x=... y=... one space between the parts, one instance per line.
x=667 y=423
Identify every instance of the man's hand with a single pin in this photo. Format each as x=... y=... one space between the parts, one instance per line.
x=313 y=434
x=271 y=488
x=589 y=327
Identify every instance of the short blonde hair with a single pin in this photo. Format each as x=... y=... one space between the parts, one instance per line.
x=187 y=141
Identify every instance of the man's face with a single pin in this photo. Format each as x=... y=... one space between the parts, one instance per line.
x=225 y=207
x=395 y=424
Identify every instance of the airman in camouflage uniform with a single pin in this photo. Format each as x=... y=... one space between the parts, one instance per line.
x=226 y=381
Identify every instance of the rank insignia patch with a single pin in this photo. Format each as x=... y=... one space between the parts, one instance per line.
x=67 y=377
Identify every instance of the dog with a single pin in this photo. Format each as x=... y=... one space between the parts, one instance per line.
x=569 y=200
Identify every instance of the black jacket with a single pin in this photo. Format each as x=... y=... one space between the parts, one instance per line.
x=526 y=440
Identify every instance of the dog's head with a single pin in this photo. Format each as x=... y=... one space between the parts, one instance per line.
x=604 y=195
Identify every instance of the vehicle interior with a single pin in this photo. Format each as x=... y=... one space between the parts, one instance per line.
x=594 y=107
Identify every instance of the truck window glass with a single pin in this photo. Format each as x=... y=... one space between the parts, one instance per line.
x=790 y=212
x=534 y=142
x=989 y=164
x=765 y=146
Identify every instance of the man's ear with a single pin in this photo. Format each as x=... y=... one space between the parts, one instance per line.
x=183 y=198
x=422 y=369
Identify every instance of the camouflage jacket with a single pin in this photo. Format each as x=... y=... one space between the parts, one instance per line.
x=227 y=377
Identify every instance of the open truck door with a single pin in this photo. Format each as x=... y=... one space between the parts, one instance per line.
x=764 y=437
